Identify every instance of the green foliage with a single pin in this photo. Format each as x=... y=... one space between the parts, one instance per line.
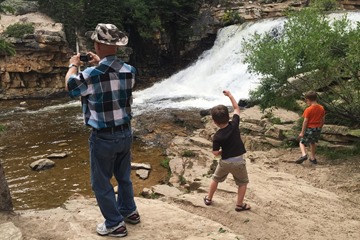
x=188 y=153
x=339 y=154
x=270 y=116
x=165 y=163
x=6 y=9
x=232 y=17
x=318 y=54
x=6 y=48
x=324 y=5
x=136 y=17
x=182 y=180
x=2 y=128
x=18 y=30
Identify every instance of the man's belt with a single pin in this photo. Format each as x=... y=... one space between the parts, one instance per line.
x=118 y=128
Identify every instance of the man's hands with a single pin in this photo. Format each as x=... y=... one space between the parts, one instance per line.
x=75 y=60
x=95 y=59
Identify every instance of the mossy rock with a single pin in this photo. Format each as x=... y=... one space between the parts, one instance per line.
x=21 y=7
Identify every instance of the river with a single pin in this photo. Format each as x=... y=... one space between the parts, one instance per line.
x=42 y=129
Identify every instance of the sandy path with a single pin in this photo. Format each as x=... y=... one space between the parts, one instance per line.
x=284 y=206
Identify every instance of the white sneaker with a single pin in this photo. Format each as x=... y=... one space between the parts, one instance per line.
x=116 y=231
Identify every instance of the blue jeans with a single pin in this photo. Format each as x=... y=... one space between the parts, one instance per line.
x=110 y=153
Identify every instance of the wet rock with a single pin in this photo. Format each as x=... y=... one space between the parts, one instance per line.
x=141 y=166
x=42 y=164
x=63 y=144
x=8 y=231
x=146 y=192
x=24 y=104
x=204 y=113
x=143 y=173
x=57 y=155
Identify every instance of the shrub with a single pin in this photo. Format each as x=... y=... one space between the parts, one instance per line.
x=310 y=53
x=18 y=30
x=325 y=5
x=232 y=17
x=2 y=128
x=188 y=153
x=165 y=163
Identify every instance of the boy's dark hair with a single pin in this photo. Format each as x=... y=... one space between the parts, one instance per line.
x=220 y=114
x=311 y=95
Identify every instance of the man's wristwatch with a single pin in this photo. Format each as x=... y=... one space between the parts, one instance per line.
x=73 y=65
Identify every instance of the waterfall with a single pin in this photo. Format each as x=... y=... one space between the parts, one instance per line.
x=200 y=85
x=220 y=68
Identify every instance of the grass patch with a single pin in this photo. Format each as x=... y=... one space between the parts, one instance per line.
x=2 y=128
x=165 y=163
x=188 y=153
x=182 y=180
x=271 y=118
x=337 y=154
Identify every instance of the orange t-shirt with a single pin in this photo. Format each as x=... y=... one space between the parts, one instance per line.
x=314 y=114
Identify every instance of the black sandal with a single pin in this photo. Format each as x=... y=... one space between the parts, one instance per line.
x=207 y=201
x=243 y=207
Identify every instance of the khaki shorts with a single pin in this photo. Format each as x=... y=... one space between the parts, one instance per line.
x=237 y=169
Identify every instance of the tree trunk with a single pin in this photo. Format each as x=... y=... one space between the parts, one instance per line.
x=5 y=197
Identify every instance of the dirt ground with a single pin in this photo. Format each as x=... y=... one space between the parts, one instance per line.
x=288 y=201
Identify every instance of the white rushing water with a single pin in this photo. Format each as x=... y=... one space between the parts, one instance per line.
x=201 y=84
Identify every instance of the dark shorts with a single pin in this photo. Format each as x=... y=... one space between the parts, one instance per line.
x=312 y=135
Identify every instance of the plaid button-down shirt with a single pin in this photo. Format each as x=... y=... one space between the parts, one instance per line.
x=106 y=92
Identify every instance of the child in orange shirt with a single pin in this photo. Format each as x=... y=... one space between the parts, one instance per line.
x=314 y=118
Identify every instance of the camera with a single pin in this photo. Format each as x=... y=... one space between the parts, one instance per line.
x=85 y=57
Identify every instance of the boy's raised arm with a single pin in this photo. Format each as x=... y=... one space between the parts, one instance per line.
x=233 y=101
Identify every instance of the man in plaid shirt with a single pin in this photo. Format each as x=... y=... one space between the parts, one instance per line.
x=106 y=93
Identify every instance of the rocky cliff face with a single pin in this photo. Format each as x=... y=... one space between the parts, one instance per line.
x=40 y=63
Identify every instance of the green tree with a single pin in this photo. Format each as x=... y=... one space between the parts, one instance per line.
x=318 y=53
x=69 y=12
x=5 y=47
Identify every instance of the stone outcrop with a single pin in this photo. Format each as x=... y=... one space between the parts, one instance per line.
x=260 y=131
x=41 y=60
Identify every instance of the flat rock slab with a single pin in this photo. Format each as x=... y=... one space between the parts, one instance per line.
x=166 y=190
x=8 y=231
